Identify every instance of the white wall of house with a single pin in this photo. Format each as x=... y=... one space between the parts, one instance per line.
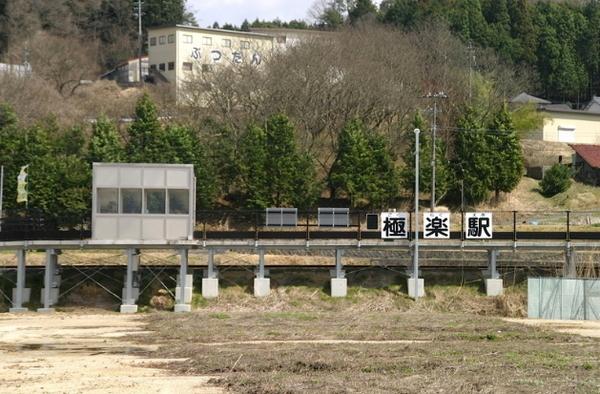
x=571 y=127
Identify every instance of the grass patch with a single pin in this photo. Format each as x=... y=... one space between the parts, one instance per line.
x=219 y=315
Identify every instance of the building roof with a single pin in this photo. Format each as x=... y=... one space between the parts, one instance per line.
x=524 y=98
x=589 y=153
x=593 y=105
x=211 y=30
x=565 y=108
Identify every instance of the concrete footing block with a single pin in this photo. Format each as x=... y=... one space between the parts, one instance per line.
x=26 y=294
x=45 y=310
x=262 y=287
x=18 y=310
x=182 y=308
x=187 y=292
x=412 y=288
x=54 y=293
x=494 y=287
x=210 y=287
x=339 y=287
x=129 y=308
x=189 y=280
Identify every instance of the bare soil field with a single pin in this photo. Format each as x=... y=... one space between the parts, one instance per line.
x=84 y=353
x=403 y=352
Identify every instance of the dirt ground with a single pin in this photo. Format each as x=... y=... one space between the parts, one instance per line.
x=84 y=353
x=584 y=328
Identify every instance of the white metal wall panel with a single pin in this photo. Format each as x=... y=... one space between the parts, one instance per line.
x=178 y=178
x=154 y=177
x=130 y=228
x=177 y=228
x=105 y=227
x=153 y=228
x=131 y=177
x=106 y=177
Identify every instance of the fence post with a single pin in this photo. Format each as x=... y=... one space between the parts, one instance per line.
x=256 y=226
x=568 y=226
x=514 y=226
x=359 y=235
x=307 y=225
x=462 y=225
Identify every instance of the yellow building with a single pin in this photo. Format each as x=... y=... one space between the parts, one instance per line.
x=562 y=124
x=178 y=52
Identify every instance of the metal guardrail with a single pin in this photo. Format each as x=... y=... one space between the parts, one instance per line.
x=248 y=224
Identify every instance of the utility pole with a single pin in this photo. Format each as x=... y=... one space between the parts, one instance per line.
x=140 y=41
x=416 y=253
x=1 y=193
x=434 y=96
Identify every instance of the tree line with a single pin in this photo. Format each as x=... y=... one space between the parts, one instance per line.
x=266 y=168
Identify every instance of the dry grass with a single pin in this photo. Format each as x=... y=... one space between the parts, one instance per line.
x=460 y=353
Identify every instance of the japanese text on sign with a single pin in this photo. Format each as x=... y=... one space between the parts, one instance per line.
x=478 y=225
x=436 y=225
x=394 y=225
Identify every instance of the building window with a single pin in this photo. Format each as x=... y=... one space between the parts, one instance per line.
x=155 y=201
x=171 y=38
x=162 y=40
x=171 y=66
x=206 y=41
x=187 y=39
x=179 y=201
x=108 y=200
x=226 y=43
x=245 y=44
x=187 y=66
x=161 y=67
x=152 y=41
x=131 y=201
x=153 y=67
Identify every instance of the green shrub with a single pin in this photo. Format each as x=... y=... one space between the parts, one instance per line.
x=556 y=180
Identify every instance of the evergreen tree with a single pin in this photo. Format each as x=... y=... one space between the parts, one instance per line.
x=472 y=163
x=253 y=168
x=351 y=171
x=361 y=9
x=105 y=144
x=401 y=13
x=386 y=178
x=146 y=136
x=245 y=25
x=468 y=21
x=523 y=30
x=506 y=156
x=291 y=175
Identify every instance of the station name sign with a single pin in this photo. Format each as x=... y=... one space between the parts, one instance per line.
x=436 y=225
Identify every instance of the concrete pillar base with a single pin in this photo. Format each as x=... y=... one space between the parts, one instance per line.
x=494 y=287
x=210 y=287
x=187 y=292
x=411 y=287
x=339 y=287
x=129 y=308
x=135 y=293
x=182 y=308
x=45 y=310
x=26 y=294
x=18 y=310
x=54 y=292
x=262 y=287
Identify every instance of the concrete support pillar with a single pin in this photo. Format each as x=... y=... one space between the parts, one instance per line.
x=210 y=281
x=570 y=267
x=51 y=281
x=262 y=285
x=129 y=300
x=339 y=283
x=184 y=296
x=494 y=285
x=411 y=283
x=20 y=293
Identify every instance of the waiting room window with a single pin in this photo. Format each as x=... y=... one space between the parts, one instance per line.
x=131 y=201
x=155 y=201
x=187 y=66
x=187 y=39
x=171 y=66
x=179 y=201
x=152 y=41
x=245 y=44
x=162 y=40
x=171 y=38
x=108 y=200
x=226 y=43
x=153 y=67
x=206 y=41
x=161 y=67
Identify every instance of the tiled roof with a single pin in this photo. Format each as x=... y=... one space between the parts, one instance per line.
x=589 y=153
